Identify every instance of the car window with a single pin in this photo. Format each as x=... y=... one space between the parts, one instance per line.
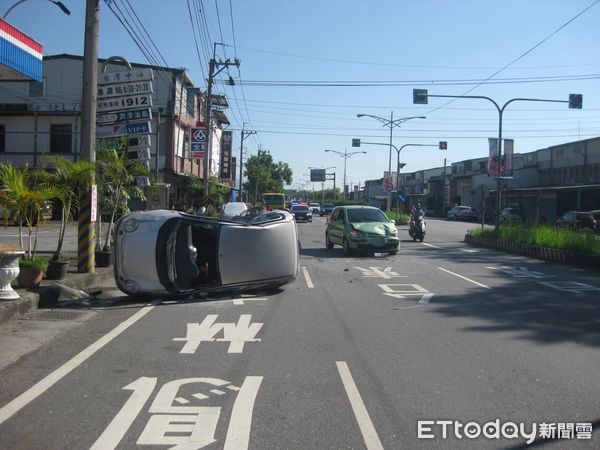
x=366 y=215
x=335 y=214
x=300 y=208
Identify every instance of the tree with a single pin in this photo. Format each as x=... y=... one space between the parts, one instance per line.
x=25 y=191
x=116 y=177
x=194 y=192
x=71 y=176
x=264 y=175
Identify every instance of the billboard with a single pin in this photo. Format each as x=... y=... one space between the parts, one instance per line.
x=226 y=155
x=317 y=175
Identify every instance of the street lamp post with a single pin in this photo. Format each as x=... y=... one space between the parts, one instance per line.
x=390 y=123
x=398 y=150
x=420 y=96
x=57 y=3
x=345 y=155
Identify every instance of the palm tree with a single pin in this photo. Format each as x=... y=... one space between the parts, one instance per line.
x=116 y=175
x=26 y=191
x=71 y=176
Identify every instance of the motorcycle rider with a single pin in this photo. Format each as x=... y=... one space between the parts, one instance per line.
x=416 y=211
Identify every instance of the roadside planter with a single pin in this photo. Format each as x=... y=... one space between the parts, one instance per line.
x=9 y=271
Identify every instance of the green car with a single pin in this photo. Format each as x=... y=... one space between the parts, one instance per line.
x=361 y=228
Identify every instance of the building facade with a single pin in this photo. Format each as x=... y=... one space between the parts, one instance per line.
x=40 y=118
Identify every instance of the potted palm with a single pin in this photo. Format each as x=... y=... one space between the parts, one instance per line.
x=116 y=176
x=26 y=191
x=71 y=176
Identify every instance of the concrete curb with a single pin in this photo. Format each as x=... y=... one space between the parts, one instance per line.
x=535 y=251
x=46 y=295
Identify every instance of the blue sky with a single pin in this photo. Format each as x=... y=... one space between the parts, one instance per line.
x=415 y=43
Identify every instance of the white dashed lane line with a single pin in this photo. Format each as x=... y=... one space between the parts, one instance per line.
x=309 y=282
x=465 y=278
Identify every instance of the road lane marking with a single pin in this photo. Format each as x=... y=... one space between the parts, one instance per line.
x=240 y=423
x=309 y=282
x=465 y=278
x=429 y=245
x=360 y=411
x=46 y=383
x=241 y=300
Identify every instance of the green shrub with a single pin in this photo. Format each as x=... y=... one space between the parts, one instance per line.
x=37 y=263
x=545 y=236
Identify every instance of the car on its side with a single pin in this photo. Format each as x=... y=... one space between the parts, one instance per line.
x=361 y=228
x=315 y=207
x=171 y=253
x=511 y=215
x=301 y=212
x=326 y=209
x=465 y=213
x=577 y=220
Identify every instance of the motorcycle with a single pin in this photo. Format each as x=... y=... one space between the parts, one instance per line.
x=417 y=227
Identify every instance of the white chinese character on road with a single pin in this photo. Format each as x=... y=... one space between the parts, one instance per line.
x=520 y=272
x=573 y=287
x=407 y=290
x=177 y=416
x=377 y=272
x=237 y=334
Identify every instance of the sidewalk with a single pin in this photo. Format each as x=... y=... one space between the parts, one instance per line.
x=45 y=294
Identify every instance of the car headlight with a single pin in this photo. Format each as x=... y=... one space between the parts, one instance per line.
x=131 y=225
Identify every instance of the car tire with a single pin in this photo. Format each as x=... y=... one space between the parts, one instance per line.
x=328 y=243
x=347 y=249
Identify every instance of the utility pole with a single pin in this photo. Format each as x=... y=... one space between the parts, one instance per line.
x=245 y=134
x=207 y=115
x=345 y=155
x=86 y=235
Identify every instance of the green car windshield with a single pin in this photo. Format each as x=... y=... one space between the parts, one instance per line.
x=366 y=215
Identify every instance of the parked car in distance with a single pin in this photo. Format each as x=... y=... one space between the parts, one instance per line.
x=361 y=228
x=231 y=209
x=596 y=214
x=301 y=212
x=576 y=220
x=511 y=215
x=315 y=208
x=326 y=209
x=465 y=213
x=170 y=253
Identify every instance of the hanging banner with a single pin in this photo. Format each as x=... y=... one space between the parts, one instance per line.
x=493 y=161
x=226 y=155
x=507 y=158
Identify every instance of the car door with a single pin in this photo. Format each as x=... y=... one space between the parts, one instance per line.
x=336 y=226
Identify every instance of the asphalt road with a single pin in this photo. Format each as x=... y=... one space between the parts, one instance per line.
x=353 y=354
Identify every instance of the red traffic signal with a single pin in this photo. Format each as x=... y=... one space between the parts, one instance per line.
x=443 y=145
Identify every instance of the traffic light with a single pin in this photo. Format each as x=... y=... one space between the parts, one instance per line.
x=420 y=96
x=355 y=142
x=575 y=101
x=443 y=145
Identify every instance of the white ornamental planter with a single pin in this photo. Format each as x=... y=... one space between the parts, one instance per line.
x=9 y=270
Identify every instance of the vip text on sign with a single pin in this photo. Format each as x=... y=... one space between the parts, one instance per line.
x=125 y=129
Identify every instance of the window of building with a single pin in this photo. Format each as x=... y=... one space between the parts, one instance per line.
x=61 y=138
x=2 y=138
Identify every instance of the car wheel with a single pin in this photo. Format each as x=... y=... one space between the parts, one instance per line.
x=328 y=243
x=347 y=249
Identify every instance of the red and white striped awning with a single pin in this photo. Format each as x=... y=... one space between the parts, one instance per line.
x=20 y=55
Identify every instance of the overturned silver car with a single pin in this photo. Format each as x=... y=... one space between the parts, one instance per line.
x=170 y=253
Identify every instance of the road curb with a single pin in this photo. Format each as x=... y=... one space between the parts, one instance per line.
x=535 y=251
x=45 y=294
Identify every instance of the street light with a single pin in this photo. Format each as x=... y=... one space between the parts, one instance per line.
x=398 y=150
x=390 y=123
x=575 y=101
x=345 y=155
x=57 y=3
